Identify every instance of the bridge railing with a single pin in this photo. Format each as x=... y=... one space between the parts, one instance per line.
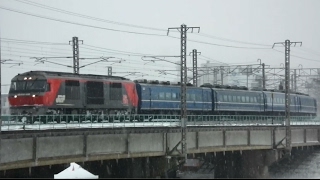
x=11 y=122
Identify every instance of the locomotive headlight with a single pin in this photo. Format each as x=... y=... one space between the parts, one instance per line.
x=33 y=95
x=15 y=96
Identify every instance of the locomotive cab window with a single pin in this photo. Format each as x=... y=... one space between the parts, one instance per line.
x=28 y=85
x=13 y=86
x=48 y=87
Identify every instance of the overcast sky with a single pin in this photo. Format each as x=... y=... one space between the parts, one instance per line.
x=231 y=32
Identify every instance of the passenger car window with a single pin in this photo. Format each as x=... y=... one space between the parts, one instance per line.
x=161 y=95
x=168 y=95
x=174 y=96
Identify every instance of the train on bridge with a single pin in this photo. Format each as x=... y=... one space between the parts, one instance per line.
x=46 y=92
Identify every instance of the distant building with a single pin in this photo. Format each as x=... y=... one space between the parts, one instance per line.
x=212 y=73
x=218 y=73
x=5 y=107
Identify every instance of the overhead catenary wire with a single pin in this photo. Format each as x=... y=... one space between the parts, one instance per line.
x=131 y=32
x=80 y=24
x=87 y=17
x=135 y=54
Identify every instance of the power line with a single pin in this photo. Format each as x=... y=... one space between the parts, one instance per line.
x=80 y=24
x=136 y=54
x=310 y=51
x=23 y=52
x=298 y=56
x=49 y=43
x=221 y=45
x=126 y=52
x=213 y=59
x=230 y=40
x=30 y=42
x=122 y=66
x=132 y=32
x=87 y=17
x=125 y=24
x=43 y=49
x=129 y=53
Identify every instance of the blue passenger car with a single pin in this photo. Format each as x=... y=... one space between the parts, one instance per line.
x=241 y=102
x=300 y=105
x=308 y=105
x=165 y=99
x=274 y=103
x=157 y=98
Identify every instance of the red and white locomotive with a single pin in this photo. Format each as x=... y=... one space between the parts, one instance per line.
x=45 y=92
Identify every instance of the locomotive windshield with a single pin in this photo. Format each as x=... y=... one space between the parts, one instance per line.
x=28 y=85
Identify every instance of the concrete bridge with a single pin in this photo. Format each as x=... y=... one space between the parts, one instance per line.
x=258 y=146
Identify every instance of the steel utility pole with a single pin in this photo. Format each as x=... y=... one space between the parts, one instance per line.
x=0 y=77
x=291 y=82
x=263 y=77
x=183 y=81
x=75 y=45
x=295 y=80
x=221 y=71
x=195 y=67
x=215 y=74
x=287 y=45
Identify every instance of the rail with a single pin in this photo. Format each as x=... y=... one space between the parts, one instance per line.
x=22 y=122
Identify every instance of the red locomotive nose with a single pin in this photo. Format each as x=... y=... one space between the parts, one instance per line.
x=31 y=100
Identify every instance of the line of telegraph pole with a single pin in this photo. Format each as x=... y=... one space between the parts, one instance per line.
x=263 y=77
x=75 y=45
x=195 y=67
x=287 y=45
x=183 y=82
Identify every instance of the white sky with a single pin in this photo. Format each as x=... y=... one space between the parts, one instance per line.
x=248 y=22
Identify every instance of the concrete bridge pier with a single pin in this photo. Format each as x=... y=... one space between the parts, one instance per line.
x=227 y=164
x=255 y=164
x=114 y=169
x=131 y=167
x=136 y=168
x=121 y=168
x=158 y=166
x=219 y=162
x=146 y=167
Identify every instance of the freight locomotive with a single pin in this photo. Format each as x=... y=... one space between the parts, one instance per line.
x=45 y=92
